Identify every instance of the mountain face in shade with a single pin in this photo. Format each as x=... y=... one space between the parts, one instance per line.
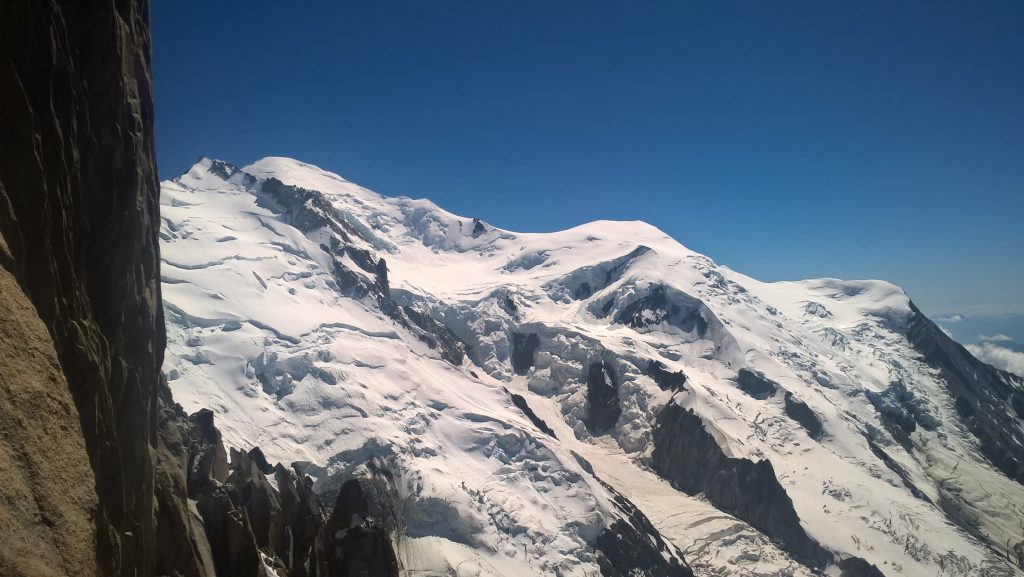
x=600 y=400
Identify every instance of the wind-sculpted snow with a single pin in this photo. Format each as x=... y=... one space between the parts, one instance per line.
x=515 y=387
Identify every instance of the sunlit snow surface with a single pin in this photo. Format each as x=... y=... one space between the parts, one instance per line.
x=489 y=493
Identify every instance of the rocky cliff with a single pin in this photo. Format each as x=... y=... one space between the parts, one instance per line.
x=101 y=473
x=79 y=214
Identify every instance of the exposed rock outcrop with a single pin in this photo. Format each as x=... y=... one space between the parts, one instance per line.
x=79 y=202
x=857 y=567
x=688 y=456
x=523 y=348
x=603 y=409
x=984 y=395
x=755 y=384
x=242 y=522
x=801 y=413
x=520 y=402
x=47 y=499
x=632 y=547
x=665 y=379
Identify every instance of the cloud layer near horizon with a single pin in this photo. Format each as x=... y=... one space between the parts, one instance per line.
x=999 y=357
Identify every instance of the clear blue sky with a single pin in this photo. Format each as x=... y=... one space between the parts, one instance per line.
x=784 y=139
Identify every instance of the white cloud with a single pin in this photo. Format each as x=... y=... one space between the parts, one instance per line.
x=950 y=319
x=994 y=338
x=999 y=357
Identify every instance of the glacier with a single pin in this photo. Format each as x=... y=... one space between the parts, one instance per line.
x=600 y=400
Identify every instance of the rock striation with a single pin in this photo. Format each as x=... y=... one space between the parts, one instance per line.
x=79 y=201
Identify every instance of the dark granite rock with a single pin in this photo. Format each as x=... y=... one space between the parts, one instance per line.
x=603 y=409
x=381 y=274
x=632 y=547
x=801 y=413
x=688 y=456
x=438 y=336
x=520 y=401
x=857 y=567
x=663 y=305
x=756 y=385
x=355 y=547
x=666 y=379
x=362 y=257
x=523 y=347
x=79 y=211
x=983 y=394
x=47 y=494
x=229 y=533
x=895 y=467
x=306 y=210
x=79 y=224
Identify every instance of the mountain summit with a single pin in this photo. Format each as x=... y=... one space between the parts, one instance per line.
x=595 y=400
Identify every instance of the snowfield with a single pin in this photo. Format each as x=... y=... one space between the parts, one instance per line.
x=513 y=385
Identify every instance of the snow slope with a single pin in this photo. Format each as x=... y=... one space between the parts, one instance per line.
x=331 y=325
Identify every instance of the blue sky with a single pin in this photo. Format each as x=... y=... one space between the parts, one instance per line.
x=783 y=139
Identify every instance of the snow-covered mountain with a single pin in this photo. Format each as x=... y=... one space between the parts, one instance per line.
x=600 y=400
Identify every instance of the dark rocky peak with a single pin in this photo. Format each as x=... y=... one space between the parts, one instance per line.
x=654 y=306
x=257 y=457
x=436 y=335
x=207 y=458
x=381 y=275
x=246 y=520
x=219 y=168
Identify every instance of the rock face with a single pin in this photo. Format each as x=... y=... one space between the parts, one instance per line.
x=686 y=454
x=523 y=348
x=756 y=385
x=632 y=546
x=101 y=473
x=79 y=202
x=857 y=567
x=801 y=413
x=602 y=398
x=666 y=379
x=243 y=523
x=985 y=397
x=46 y=485
x=520 y=401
